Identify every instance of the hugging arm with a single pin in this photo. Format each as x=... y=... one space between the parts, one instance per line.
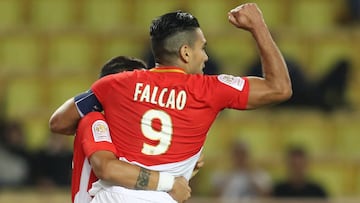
x=65 y=119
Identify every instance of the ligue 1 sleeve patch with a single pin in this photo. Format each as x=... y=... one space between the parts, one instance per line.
x=101 y=132
x=232 y=81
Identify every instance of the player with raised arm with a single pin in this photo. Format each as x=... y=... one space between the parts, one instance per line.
x=161 y=116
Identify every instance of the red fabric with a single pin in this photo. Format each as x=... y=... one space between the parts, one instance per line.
x=134 y=102
x=84 y=146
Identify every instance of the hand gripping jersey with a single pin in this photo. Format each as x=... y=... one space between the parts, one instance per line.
x=159 y=118
x=92 y=135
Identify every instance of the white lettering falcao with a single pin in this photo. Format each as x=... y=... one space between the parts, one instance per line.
x=164 y=97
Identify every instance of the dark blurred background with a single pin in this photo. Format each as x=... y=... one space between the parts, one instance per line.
x=52 y=49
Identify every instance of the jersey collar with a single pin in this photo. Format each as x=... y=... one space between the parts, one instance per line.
x=168 y=69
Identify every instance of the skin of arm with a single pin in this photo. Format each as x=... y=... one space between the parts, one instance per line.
x=275 y=86
x=65 y=119
x=107 y=167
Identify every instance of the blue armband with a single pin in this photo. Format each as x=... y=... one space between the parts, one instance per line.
x=87 y=102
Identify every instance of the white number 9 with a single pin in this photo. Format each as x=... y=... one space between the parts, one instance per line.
x=163 y=136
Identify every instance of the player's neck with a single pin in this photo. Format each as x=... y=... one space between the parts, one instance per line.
x=159 y=65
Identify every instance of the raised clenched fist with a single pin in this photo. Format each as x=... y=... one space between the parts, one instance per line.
x=246 y=16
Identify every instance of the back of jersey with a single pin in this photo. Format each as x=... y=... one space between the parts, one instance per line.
x=162 y=116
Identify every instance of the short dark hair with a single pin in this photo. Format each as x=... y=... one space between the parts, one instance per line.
x=121 y=63
x=170 y=31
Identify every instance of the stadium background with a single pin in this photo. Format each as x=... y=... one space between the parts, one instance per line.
x=52 y=49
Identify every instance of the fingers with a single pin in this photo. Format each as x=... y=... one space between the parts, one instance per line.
x=237 y=9
x=181 y=190
x=196 y=171
x=184 y=181
x=232 y=19
x=247 y=16
x=188 y=194
x=200 y=164
x=242 y=7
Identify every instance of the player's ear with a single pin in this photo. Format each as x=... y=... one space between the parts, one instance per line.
x=185 y=53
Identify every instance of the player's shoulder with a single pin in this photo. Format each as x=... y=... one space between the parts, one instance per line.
x=220 y=82
x=127 y=73
x=123 y=76
x=221 y=78
x=201 y=77
x=200 y=80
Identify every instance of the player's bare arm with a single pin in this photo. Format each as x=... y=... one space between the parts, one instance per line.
x=65 y=119
x=107 y=167
x=275 y=86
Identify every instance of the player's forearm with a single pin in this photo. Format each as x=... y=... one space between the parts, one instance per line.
x=65 y=119
x=274 y=68
x=131 y=176
x=107 y=167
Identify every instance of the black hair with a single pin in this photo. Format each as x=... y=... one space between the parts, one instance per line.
x=120 y=64
x=170 y=31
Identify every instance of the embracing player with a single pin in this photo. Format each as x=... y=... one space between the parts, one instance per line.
x=161 y=116
x=95 y=155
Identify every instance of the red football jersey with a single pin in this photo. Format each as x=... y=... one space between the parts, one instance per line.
x=162 y=115
x=92 y=135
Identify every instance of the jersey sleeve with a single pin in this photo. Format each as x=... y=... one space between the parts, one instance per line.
x=102 y=88
x=94 y=133
x=229 y=91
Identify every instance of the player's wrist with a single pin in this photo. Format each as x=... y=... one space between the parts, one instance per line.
x=166 y=182
x=259 y=28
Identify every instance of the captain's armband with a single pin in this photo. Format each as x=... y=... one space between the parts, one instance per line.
x=87 y=102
